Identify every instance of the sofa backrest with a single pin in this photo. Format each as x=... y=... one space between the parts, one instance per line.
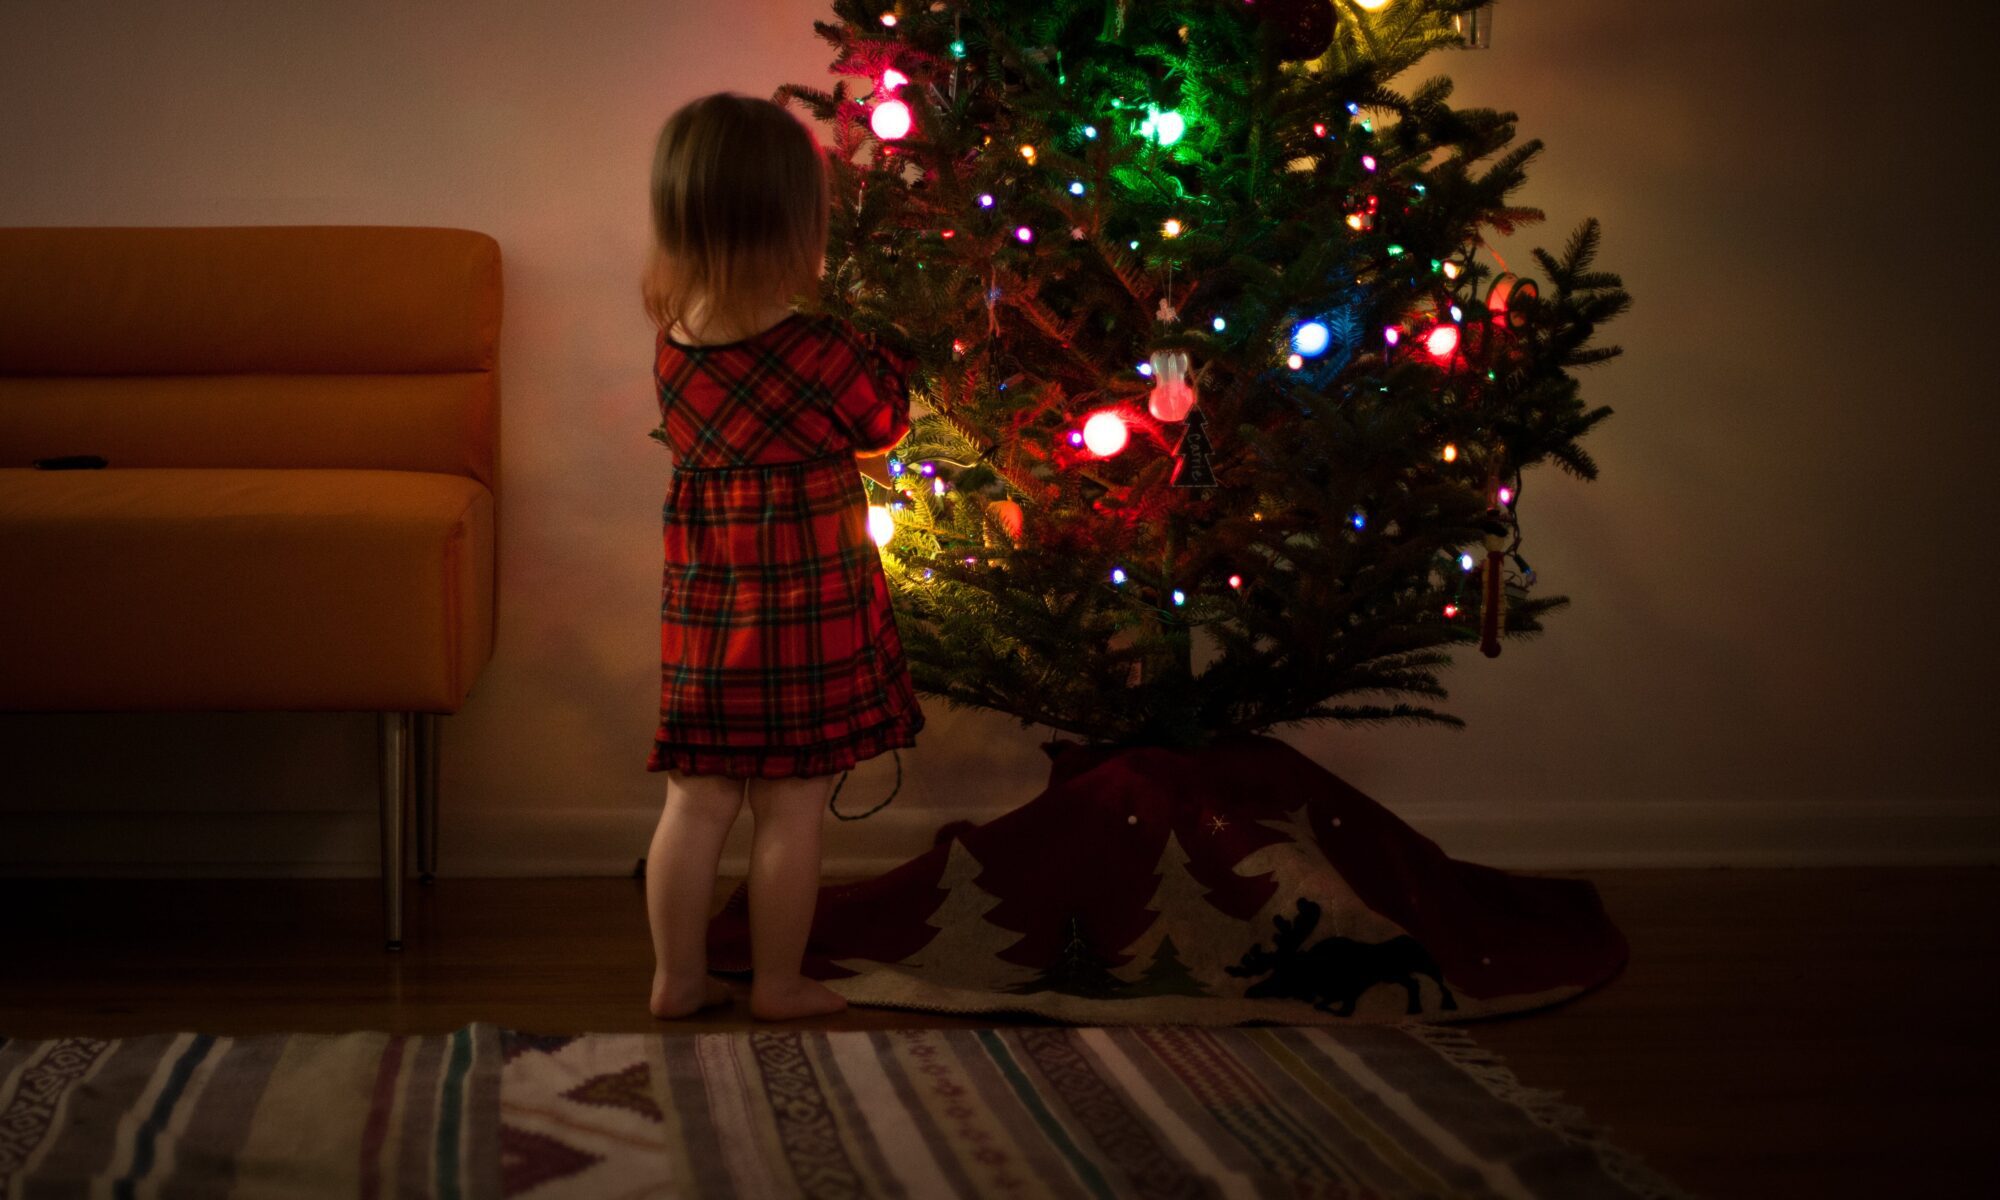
x=251 y=346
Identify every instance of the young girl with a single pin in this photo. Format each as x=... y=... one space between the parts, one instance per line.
x=780 y=664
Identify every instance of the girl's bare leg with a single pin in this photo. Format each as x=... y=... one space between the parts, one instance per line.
x=784 y=887
x=680 y=884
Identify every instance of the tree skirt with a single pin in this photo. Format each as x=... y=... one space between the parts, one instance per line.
x=1232 y=883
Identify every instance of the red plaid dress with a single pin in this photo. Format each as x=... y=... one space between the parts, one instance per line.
x=778 y=648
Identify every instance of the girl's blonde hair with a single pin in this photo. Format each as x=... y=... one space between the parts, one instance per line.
x=740 y=206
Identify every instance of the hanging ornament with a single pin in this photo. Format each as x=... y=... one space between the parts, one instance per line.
x=1008 y=516
x=1474 y=28
x=1508 y=298
x=1302 y=29
x=1172 y=395
x=1493 y=597
x=1191 y=466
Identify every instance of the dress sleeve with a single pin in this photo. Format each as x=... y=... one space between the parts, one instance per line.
x=871 y=397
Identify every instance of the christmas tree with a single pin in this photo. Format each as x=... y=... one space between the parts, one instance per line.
x=1167 y=975
x=1078 y=970
x=1224 y=397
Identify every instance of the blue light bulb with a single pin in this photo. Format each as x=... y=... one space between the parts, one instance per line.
x=1219 y=324
x=1146 y=369
x=1311 y=339
x=1180 y=597
x=1118 y=574
x=1076 y=187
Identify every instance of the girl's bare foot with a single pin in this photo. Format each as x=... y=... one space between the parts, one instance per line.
x=669 y=1002
x=795 y=997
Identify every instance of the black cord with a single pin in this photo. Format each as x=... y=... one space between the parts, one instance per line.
x=832 y=800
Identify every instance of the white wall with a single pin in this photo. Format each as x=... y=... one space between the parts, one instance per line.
x=1779 y=646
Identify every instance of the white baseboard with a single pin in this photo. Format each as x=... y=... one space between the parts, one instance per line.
x=608 y=841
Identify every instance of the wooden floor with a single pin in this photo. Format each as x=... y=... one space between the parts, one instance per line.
x=1779 y=1033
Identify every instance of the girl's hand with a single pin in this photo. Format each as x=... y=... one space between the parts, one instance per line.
x=876 y=467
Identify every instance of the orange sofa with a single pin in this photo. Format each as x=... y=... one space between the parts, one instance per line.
x=301 y=428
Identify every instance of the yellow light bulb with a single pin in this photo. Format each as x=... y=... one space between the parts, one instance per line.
x=1354 y=220
x=1373 y=5
x=1172 y=228
x=881 y=524
x=1028 y=152
x=1450 y=452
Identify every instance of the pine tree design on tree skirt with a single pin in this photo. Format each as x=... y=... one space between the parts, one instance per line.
x=1114 y=897
x=1086 y=187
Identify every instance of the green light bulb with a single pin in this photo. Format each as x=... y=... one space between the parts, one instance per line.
x=957 y=49
x=1164 y=128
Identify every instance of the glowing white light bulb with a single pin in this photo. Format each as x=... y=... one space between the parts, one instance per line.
x=1311 y=339
x=1104 y=433
x=891 y=120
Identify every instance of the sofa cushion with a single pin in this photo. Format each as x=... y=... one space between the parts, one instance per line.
x=240 y=588
x=252 y=346
x=213 y=300
x=388 y=422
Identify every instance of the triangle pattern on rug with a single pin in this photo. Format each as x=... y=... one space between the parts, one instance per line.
x=529 y=1160
x=630 y=1089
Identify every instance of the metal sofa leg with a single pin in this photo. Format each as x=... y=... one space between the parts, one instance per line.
x=429 y=725
x=395 y=756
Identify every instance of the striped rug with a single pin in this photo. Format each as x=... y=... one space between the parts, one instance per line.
x=1161 y=1111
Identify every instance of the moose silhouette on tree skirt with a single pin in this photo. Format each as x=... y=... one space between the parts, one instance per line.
x=1337 y=968
x=1142 y=885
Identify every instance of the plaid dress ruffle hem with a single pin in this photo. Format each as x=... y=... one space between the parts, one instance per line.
x=779 y=654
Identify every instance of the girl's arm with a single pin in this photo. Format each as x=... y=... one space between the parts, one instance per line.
x=872 y=406
x=875 y=467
